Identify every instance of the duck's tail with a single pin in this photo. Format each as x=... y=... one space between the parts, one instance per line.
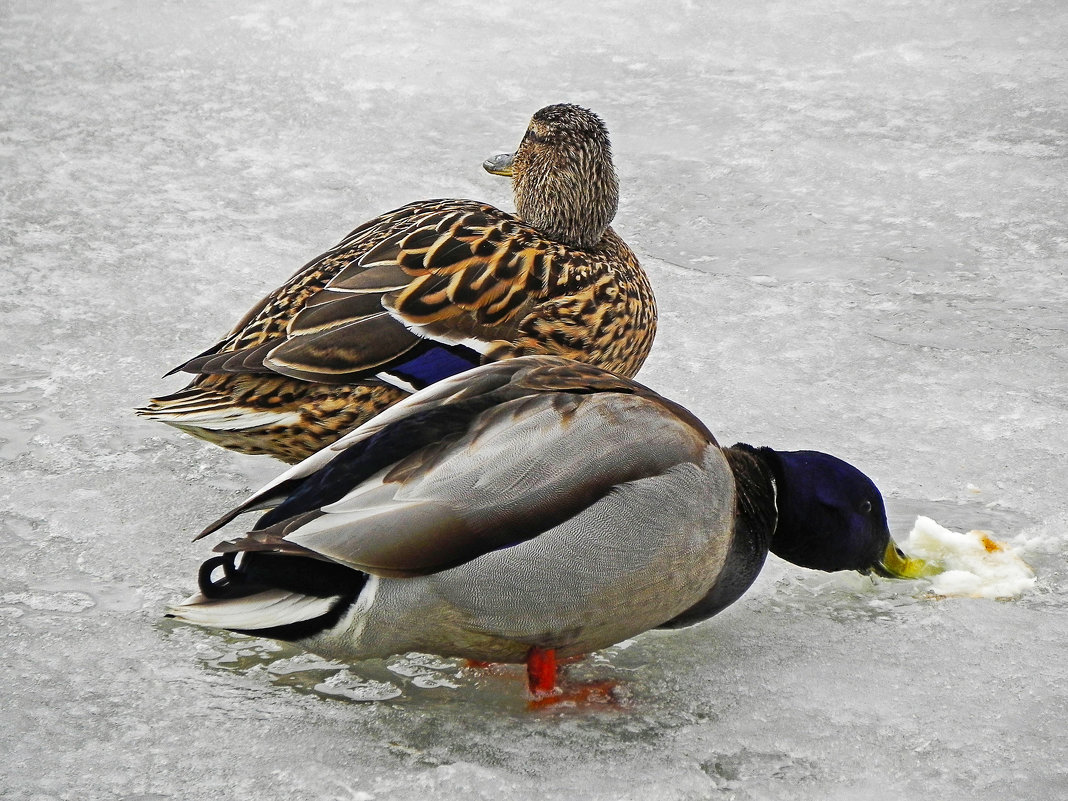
x=278 y=416
x=272 y=595
x=201 y=408
x=224 y=411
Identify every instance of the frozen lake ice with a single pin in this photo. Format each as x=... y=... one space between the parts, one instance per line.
x=854 y=216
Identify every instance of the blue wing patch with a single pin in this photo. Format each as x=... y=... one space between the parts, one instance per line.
x=435 y=363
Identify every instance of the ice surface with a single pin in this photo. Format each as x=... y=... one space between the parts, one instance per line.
x=853 y=214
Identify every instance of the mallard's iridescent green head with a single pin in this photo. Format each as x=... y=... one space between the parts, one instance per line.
x=832 y=517
x=562 y=175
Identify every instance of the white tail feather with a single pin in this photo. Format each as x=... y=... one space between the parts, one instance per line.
x=219 y=419
x=260 y=611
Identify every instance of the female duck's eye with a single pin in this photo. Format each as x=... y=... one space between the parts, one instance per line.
x=865 y=507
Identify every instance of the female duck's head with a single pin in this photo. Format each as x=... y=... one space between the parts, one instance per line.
x=563 y=178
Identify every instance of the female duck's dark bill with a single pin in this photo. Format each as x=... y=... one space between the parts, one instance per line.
x=895 y=564
x=501 y=164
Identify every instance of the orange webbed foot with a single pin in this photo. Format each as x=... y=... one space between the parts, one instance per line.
x=547 y=691
x=594 y=693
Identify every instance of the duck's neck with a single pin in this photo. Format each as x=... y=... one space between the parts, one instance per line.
x=755 y=521
x=568 y=207
x=791 y=540
x=758 y=479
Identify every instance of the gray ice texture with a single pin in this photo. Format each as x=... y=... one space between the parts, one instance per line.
x=854 y=216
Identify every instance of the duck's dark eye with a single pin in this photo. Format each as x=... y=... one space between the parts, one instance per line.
x=533 y=137
x=865 y=507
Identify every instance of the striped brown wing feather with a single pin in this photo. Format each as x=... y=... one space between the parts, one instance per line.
x=246 y=360
x=458 y=275
x=345 y=352
x=270 y=318
x=376 y=280
x=333 y=310
x=489 y=268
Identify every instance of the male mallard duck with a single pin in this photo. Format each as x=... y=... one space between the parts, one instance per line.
x=528 y=509
x=427 y=291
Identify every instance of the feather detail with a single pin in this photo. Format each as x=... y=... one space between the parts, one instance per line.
x=263 y=610
x=203 y=408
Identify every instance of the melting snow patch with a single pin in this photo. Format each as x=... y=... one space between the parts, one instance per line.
x=346 y=685
x=973 y=565
x=423 y=669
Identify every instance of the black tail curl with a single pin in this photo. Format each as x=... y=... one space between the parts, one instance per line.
x=259 y=571
x=262 y=570
x=223 y=587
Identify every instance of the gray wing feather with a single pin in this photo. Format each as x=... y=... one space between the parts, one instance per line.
x=537 y=378
x=523 y=468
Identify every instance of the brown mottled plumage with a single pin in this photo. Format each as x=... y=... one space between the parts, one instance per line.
x=358 y=328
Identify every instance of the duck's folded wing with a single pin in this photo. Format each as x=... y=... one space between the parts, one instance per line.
x=342 y=340
x=456 y=278
x=330 y=322
x=434 y=292
x=474 y=391
x=520 y=469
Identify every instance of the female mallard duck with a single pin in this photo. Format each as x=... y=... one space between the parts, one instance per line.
x=528 y=509
x=427 y=291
